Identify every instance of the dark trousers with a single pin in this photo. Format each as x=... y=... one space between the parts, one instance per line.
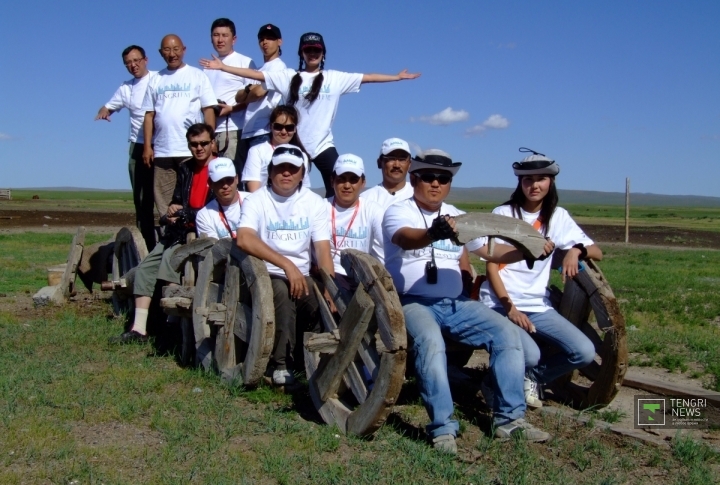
x=141 y=181
x=291 y=317
x=325 y=161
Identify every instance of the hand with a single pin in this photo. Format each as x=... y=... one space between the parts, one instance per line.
x=214 y=63
x=404 y=74
x=547 y=249
x=570 y=263
x=443 y=227
x=521 y=320
x=148 y=154
x=298 y=284
x=225 y=109
x=103 y=114
x=173 y=208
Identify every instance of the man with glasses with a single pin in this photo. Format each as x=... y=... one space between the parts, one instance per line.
x=192 y=193
x=130 y=95
x=425 y=261
x=354 y=223
x=179 y=96
x=394 y=161
x=231 y=115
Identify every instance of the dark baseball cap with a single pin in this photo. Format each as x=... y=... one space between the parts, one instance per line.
x=269 y=30
x=311 y=39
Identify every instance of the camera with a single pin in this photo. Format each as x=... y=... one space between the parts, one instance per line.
x=218 y=107
x=431 y=273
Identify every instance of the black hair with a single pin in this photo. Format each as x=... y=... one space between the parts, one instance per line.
x=549 y=203
x=128 y=50
x=198 y=129
x=314 y=92
x=290 y=112
x=223 y=22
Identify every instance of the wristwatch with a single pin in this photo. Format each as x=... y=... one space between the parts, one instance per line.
x=583 y=250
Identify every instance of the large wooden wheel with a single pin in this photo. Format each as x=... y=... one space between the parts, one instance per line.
x=356 y=368
x=129 y=251
x=589 y=292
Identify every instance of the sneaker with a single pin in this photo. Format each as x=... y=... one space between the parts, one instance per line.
x=128 y=337
x=445 y=443
x=523 y=430
x=283 y=378
x=532 y=394
x=487 y=391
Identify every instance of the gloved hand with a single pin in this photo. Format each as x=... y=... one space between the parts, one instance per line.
x=441 y=229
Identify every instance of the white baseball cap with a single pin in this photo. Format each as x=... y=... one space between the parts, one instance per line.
x=287 y=153
x=392 y=144
x=349 y=163
x=220 y=168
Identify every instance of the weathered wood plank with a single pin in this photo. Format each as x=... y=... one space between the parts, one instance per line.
x=225 y=339
x=67 y=283
x=352 y=327
x=636 y=381
x=324 y=343
x=184 y=252
x=178 y=291
x=515 y=231
x=337 y=295
x=243 y=315
x=96 y=263
x=176 y=302
x=200 y=326
x=371 y=414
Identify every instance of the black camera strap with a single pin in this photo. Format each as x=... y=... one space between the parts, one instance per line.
x=432 y=249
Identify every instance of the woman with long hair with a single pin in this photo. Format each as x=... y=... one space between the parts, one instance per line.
x=520 y=293
x=283 y=126
x=315 y=92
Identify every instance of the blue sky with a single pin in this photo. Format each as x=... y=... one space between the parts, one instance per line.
x=609 y=89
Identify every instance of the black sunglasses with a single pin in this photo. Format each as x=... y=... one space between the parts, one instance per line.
x=195 y=144
x=428 y=178
x=292 y=151
x=280 y=127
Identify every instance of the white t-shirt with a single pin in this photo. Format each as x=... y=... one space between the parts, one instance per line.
x=208 y=220
x=527 y=288
x=385 y=199
x=258 y=159
x=316 y=119
x=257 y=114
x=130 y=95
x=177 y=98
x=365 y=233
x=407 y=268
x=289 y=225
x=226 y=85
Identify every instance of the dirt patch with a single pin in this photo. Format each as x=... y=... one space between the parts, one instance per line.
x=115 y=434
x=655 y=236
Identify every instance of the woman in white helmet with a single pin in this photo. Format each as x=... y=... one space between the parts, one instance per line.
x=521 y=294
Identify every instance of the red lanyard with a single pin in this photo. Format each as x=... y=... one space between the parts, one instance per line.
x=334 y=234
x=224 y=219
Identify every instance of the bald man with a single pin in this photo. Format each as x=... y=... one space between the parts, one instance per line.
x=177 y=97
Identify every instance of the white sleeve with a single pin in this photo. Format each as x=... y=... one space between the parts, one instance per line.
x=396 y=217
x=570 y=232
x=349 y=82
x=116 y=102
x=207 y=95
x=251 y=212
x=204 y=223
x=376 y=244
x=252 y=66
x=253 y=166
x=320 y=225
x=279 y=80
x=148 y=103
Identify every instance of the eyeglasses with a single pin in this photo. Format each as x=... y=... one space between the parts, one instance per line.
x=195 y=144
x=130 y=62
x=280 y=127
x=342 y=179
x=428 y=178
x=399 y=158
x=292 y=151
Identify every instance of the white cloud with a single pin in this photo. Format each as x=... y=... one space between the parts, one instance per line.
x=444 y=117
x=5 y=137
x=494 y=122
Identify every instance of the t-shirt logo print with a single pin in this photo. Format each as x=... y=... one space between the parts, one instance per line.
x=445 y=245
x=291 y=230
x=175 y=91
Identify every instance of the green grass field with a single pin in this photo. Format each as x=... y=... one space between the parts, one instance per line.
x=75 y=410
x=99 y=200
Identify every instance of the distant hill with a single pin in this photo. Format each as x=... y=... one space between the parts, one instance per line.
x=501 y=194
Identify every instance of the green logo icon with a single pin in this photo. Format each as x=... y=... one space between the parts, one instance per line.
x=652 y=408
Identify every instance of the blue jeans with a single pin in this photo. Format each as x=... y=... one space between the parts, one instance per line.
x=472 y=323
x=576 y=350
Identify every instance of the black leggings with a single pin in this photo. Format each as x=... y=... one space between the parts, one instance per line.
x=325 y=161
